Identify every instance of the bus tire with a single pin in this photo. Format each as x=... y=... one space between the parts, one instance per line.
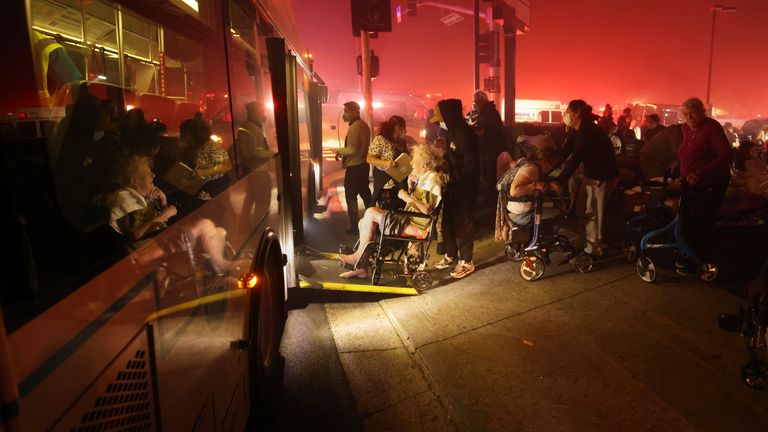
x=267 y=321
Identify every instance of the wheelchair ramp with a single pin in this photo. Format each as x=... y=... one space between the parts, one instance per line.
x=320 y=270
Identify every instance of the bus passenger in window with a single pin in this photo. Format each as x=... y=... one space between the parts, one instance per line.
x=139 y=210
x=205 y=156
x=54 y=67
x=251 y=142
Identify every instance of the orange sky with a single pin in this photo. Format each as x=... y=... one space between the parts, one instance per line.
x=598 y=50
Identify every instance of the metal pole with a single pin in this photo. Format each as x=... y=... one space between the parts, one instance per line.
x=476 y=17
x=367 y=90
x=510 y=40
x=711 y=52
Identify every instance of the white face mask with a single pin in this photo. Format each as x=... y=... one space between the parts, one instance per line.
x=567 y=119
x=443 y=125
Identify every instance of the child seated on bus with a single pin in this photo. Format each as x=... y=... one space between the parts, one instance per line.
x=425 y=197
x=139 y=210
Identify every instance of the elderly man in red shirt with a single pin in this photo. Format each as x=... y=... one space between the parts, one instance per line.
x=705 y=158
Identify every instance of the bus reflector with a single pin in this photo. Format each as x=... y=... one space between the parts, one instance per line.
x=22 y=115
x=248 y=281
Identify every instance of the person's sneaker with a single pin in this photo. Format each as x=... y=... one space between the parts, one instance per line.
x=463 y=268
x=444 y=263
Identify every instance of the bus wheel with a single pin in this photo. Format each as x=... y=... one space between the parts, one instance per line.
x=267 y=321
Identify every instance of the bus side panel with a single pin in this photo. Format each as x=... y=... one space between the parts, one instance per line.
x=194 y=346
x=122 y=396
x=58 y=355
x=54 y=367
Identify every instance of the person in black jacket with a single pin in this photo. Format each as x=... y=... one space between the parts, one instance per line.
x=594 y=149
x=490 y=135
x=460 y=193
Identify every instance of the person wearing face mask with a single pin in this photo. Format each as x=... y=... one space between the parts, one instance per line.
x=386 y=146
x=705 y=160
x=353 y=157
x=594 y=149
x=460 y=194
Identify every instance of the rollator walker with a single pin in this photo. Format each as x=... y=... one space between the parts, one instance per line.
x=534 y=256
x=654 y=240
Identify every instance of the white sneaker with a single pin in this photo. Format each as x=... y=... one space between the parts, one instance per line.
x=444 y=263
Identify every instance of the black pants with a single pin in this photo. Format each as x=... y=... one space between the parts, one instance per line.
x=458 y=222
x=356 y=183
x=699 y=208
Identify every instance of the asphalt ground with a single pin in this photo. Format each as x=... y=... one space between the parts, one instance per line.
x=596 y=351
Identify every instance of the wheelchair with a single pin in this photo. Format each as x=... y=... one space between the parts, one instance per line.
x=406 y=252
x=534 y=256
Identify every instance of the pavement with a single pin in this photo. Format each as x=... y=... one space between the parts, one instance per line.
x=600 y=351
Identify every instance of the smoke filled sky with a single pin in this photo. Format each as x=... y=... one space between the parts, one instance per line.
x=600 y=50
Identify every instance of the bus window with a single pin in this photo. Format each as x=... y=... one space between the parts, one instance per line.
x=88 y=183
x=251 y=90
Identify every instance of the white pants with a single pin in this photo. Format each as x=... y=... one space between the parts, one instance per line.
x=596 y=194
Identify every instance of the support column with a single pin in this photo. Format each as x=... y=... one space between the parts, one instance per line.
x=367 y=85
x=510 y=42
x=476 y=18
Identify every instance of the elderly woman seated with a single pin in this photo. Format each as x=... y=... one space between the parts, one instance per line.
x=424 y=198
x=530 y=178
x=139 y=210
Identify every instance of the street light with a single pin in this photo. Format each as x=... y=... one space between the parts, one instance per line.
x=715 y=10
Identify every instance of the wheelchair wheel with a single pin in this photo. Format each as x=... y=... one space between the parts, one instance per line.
x=709 y=272
x=646 y=269
x=532 y=268
x=755 y=374
x=421 y=280
x=513 y=253
x=629 y=248
x=583 y=263
x=375 y=274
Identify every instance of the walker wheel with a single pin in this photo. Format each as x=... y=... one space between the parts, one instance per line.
x=421 y=280
x=583 y=263
x=755 y=374
x=629 y=248
x=531 y=268
x=646 y=269
x=514 y=253
x=709 y=272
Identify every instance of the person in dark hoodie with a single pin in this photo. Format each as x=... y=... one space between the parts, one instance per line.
x=490 y=135
x=460 y=193
x=601 y=172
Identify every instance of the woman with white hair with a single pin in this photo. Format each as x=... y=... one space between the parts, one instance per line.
x=424 y=198
x=139 y=211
